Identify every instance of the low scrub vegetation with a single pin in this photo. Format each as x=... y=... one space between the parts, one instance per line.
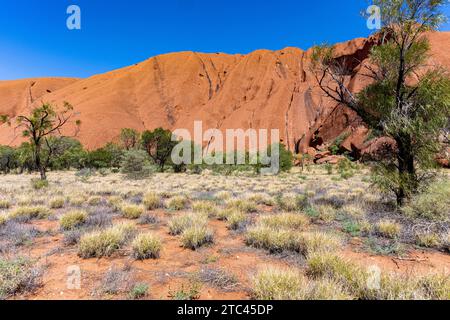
x=106 y=242
x=73 y=220
x=146 y=246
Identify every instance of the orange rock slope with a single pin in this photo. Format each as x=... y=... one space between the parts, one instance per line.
x=264 y=89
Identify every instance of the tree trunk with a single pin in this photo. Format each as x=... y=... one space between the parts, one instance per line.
x=39 y=165
x=406 y=168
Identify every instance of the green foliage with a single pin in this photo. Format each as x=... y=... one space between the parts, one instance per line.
x=159 y=145
x=432 y=204
x=401 y=102
x=135 y=164
x=129 y=138
x=107 y=157
x=8 y=159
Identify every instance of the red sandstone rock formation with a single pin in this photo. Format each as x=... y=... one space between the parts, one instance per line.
x=264 y=89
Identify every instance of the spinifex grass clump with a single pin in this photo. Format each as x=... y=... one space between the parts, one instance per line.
x=73 y=219
x=146 y=246
x=105 y=242
x=25 y=214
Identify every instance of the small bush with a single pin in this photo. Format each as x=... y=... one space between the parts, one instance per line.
x=136 y=164
x=353 y=211
x=388 y=228
x=139 y=291
x=177 y=203
x=94 y=201
x=132 y=211
x=178 y=224
x=39 y=184
x=196 y=236
x=327 y=213
x=428 y=240
x=206 y=207
x=115 y=202
x=285 y=220
x=73 y=220
x=293 y=203
x=289 y=284
x=148 y=219
x=190 y=291
x=17 y=276
x=4 y=204
x=434 y=204
x=236 y=220
x=146 y=246
x=57 y=203
x=278 y=284
x=152 y=201
x=24 y=214
x=245 y=206
x=2 y=220
x=279 y=240
x=106 y=242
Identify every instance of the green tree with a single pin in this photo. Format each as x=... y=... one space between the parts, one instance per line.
x=44 y=122
x=129 y=138
x=407 y=100
x=8 y=159
x=159 y=145
x=135 y=164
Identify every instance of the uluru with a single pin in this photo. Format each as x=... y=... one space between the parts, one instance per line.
x=263 y=89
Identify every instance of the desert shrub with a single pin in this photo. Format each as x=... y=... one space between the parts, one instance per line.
x=24 y=214
x=236 y=220
x=331 y=266
x=292 y=203
x=180 y=223
x=433 y=204
x=136 y=164
x=279 y=240
x=196 y=236
x=39 y=184
x=187 y=291
x=327 y=213
x=131 y=211
x=285 y=220
x=94 y=200
x=206 y=207
x=278 y=284
x=57 y=203
x=17 y=276
x=388 y=228
x=218 y=278
x=2 y=220
x=242 y=205
x=15 y=234
x=224 y=195
x=139 y=291
x=146 y=246
x=148 y=219
x=4 y=204
x=73 y=220
x=428 y=240
x=116 y=281
x=152 y=201
x=354 y=211
x=115 y=202
x=289 y=284
x=106 y=242
x=77 y=201
x=177 y=203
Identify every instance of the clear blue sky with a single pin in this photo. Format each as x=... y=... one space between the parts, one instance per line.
x=34 y=40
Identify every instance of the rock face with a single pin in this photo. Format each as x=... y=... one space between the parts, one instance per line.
x=264 y=89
